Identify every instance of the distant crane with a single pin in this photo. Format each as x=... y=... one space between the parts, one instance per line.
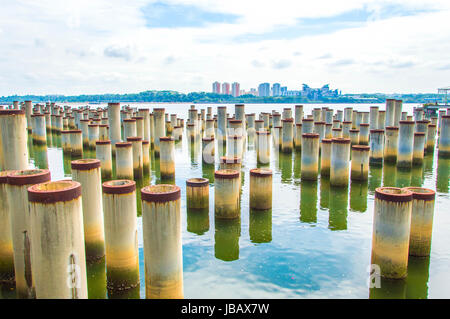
x=445 y=91
x=431 y=109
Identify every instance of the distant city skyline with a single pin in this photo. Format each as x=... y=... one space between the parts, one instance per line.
x=265 y=89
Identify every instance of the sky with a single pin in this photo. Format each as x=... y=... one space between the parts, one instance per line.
x=128 y=46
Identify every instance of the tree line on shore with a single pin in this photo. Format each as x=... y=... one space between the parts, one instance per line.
x=206 y=97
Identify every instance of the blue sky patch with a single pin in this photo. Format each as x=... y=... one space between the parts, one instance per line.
x=165 y=15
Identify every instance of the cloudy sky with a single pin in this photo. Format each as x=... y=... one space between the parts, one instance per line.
x=119 y=46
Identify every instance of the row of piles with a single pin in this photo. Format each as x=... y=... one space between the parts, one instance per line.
x=50 y=229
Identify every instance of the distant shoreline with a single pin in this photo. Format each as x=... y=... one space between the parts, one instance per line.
x=213 y=98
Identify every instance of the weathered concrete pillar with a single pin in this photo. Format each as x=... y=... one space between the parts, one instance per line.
x=422 y=212
x=298 y=114
x=339 y=116
x=444 y=137
x=191 y=133
x=287 y=113
x=48 y=121
x=160 y=128
x=226 y=194
x=6 y=244
x=235 y=145
x=336 y=132
x=129 y=128
x=317 y=114
x=57 y=240
x=360 y=163
x=418 y=148
x=373 y=118
x=138 y=160
x=76 y=143
x=261 y=188
x=227 y=162
x=376 y=147
x=139 y=126
x=121 y=236
x=152 y=130
x=357 y=119
x=328 y=116
x=391 y=144
x=145 y=114
x=307 y=126
x=422 y=126
x=346 y=127
x=298 y=136
x=365 y=117
x=266 y=119
x=146 y=159
x=209 y=129
x=339 y=163
x=239 y=112
x=87 y=172
x=277 y=137
x=259 y=126
x=325 y=157
x=431 y=138
x=354 y=136
x=124 y=160
x=397 y=111
x=364 y=134
x=93 y=135
x=418 y=113
x=18 y=183
x=222 y=123
x=104 y=154
x=58 y=124
x=13 y=140
x=263 y=147
x=208 y=151
x=328 y=128
x=405 y=144
x=167 y=158
x=197 y=193
x=72 y=124
x=310 y=156
x=348 y=112
x=103 y=132
x=65 y=123
x=251 y=122
x=161 y=223
x=390 y=113
x=381 y=119
x=336 y=124
x=28 y=112
x=237 y=127
x=319 y=128
x=390 y=248
x=39 y=132
x=114 y=124
x=177 y=133
x=65 y=142
x=287 y=135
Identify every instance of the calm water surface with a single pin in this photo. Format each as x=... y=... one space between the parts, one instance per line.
x=314 y=243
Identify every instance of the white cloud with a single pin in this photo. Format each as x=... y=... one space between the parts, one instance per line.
x=110 y=40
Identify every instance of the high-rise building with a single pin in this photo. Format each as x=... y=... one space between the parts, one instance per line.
x=283 y=90
x=235 y=89
x=226 y=88
x=264 y=89
x=276 y=89
x=216 y=87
